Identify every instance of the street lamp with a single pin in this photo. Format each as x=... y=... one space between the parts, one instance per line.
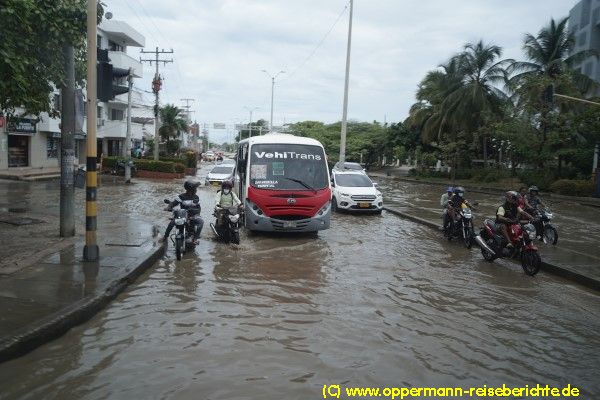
x=250 y=124
x=272 y=92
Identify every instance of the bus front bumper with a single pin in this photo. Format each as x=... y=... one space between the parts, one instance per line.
x=256 y=222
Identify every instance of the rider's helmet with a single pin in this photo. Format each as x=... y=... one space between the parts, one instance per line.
x=450 y=189
x=190 y=185
x=226 y=185
x=534 y=189
x=460 y=191
x=512 y=196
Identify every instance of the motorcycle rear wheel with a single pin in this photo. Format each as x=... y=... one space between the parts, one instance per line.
x=531 y=262
x=489 y=257
x=550 y=234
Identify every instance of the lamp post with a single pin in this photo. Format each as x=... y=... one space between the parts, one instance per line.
x=272 y=93
x=251 y=110
x=346 y=84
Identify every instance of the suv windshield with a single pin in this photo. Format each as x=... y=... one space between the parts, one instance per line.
x=288 y=167
x=353 y=180
x=222 y=170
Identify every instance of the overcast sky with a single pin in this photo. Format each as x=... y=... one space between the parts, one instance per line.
x=222 y=46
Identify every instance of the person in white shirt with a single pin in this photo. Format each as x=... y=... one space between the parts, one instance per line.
x=225 y=198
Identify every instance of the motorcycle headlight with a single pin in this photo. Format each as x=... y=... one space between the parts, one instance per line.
x=179 y=221
x=549 y=215
x=530 y=229
x=467 y=213
x=234 y=218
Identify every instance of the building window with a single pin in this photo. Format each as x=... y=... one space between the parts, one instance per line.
x=51 y=147
x=582 y=39
x=585 y=13
x=116 y=115
x=112 y=46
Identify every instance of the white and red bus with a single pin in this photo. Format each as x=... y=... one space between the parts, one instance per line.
x=284 y=183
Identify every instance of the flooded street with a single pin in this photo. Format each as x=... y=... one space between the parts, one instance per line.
x=373 y=301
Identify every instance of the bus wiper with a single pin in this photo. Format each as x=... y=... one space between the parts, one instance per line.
x=306 y=185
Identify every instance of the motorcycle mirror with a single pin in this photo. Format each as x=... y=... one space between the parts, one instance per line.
x=167 y=201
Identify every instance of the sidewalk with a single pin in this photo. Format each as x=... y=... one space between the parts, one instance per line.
x=30 y=174
x=47 y=289
x=570 y=264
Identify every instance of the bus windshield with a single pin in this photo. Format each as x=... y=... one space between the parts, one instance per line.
x=288 y=167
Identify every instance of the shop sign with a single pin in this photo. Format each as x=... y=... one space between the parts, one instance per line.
x=22 y=125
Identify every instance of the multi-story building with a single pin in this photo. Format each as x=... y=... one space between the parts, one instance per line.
x=584 y=24
x=34 y=141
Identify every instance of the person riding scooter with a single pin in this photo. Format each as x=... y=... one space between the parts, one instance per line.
x=444 y=204
x=534 y=201
x=455 y=204
x=194 y=211
x=509 y=213
x=225 y=198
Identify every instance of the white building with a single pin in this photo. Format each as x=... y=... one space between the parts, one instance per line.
x=34 y=142
x=584 y=24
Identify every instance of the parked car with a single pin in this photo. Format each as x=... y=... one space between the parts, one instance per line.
x=354 y=191
x=209 y=156
x=348 y=166
x=219 y=174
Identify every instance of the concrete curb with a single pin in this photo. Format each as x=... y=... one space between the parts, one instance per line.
x=77 y=313
x=553 y=269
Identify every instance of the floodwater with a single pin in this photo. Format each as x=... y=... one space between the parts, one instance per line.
x=374 y=301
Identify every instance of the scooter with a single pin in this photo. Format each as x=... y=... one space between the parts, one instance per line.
x=183 y=238
x=227 y=226
x=492 y=243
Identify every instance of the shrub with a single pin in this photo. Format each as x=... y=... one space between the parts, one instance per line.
x=179 y=168
x=191 y=159
x=488 y=175
x=159 y=166
x=542 y=179
x=573 y=187
x=109 y=162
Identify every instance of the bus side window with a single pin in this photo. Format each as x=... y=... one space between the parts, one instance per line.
x=242 y=159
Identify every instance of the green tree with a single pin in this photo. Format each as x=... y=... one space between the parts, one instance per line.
x=32 y=34
x=173 y=125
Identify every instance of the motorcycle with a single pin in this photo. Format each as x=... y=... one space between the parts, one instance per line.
x=543 y=226
x=183 y=238
x=492 y=243
x=228 y=230
x=462 y=226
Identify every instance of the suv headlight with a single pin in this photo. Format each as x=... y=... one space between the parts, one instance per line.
x=344 y=195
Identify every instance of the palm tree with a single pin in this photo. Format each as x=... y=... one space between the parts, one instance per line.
x=173 y=123
x=549 y=53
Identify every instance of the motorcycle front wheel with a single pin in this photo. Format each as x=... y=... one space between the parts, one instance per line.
x=468 y=238
x=235 y=237
x=489 y=257
x=550 y=235
x=178 y=248
x=531 y=262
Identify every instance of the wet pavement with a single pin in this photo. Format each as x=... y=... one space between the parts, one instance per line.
x=373 y=301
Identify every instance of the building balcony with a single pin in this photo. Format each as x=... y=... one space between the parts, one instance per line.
x=121 y=60
x=120 y=32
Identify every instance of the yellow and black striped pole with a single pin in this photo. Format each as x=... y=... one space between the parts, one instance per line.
x=90 y=250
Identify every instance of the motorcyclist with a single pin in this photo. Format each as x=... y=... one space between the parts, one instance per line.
x=444 y=204
x=509 y=213
x=522 y=200
x=455 y=203
x=533 y=199
x=225 y=198
x=193 y=212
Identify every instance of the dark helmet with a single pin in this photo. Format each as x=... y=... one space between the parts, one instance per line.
x=459 y=190
x=190 y=185
x=512 y=196
x=533 y=189
x=450 y=189
x=226 y=185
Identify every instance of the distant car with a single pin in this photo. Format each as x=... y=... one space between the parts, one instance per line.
x=228 y=161
x=209 y=156
x=348 y=166
x=219 y=174
x=354 y=191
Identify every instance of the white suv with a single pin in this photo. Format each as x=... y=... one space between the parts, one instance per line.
x=354 y=191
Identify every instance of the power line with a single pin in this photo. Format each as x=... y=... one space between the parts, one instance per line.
x=312 y=53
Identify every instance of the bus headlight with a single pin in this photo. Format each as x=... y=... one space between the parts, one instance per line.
x=255 y=209
x=324 y=209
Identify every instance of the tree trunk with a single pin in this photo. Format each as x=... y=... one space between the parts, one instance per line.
x=485 y=153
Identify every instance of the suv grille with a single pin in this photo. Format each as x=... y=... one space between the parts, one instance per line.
x=363 y=197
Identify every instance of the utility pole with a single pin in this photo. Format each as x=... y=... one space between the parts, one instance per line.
x=272 y=94
x=187 y=107
x=346 y=84
x=90 y=250
x=156 y=84
x=250 y=124
x=67 y=152
x=127 y=154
